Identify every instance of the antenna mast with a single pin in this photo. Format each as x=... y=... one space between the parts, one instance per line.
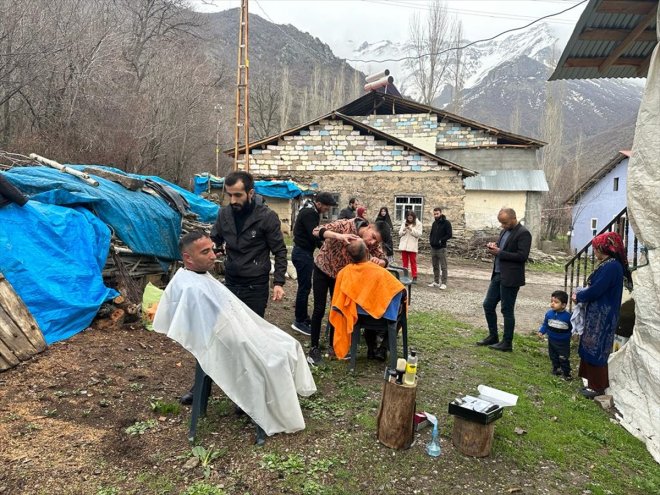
x=242 y=130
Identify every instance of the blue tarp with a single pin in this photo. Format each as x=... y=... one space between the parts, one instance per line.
x=286 y=189
x=144 y=222
x=53 y=256
x=54 y=248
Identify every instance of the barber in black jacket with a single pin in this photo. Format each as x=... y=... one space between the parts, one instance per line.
x=249 y=233
x=302 y=256
x=511 y=252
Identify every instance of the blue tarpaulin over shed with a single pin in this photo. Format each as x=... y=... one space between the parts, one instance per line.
x=54 y=248
x=285 y=189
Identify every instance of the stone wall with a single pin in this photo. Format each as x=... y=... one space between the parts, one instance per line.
x=336 y=146
x=418 y=128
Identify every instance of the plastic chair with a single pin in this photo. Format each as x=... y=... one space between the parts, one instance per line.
x=402 y=276
x=201 y=394
x=369 y=322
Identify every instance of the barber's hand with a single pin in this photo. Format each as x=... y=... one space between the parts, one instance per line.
x=347 y=238
x=278 y=293
x=378 y=261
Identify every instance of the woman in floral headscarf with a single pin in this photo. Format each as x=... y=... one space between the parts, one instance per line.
x=603 y=304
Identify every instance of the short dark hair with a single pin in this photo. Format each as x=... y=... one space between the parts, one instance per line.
x=190 y=238
x=561 y=296
x=245 y=177
x=437 y=208
x=357 y=250
x=352 y=201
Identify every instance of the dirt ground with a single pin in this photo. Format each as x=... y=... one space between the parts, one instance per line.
x=64 y=414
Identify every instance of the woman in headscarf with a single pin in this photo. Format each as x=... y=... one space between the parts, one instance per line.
x=385 y=228
x=603 y=304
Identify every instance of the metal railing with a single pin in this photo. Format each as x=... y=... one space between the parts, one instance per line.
x=580 y=266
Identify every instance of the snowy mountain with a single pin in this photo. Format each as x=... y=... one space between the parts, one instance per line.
x=505 y=85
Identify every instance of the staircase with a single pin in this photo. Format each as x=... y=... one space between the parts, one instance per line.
x=580 y=266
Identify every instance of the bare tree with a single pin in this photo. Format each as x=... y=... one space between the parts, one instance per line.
x=428 y=39
x=265 y=103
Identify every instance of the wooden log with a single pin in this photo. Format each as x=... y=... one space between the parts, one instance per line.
x=128 y=182
x=12 y=336
x=7 y=357
x=473 y=439
x=21 y=315
x=396 y=415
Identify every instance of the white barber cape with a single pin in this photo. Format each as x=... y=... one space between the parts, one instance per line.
x=257 y=365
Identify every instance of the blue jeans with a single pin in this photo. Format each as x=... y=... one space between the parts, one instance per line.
x=304 y=263
x=507 y=296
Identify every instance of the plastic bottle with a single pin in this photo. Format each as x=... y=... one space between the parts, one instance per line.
x=433 y=447
x=411 y=370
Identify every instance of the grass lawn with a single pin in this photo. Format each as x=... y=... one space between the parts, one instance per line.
x=570 y=445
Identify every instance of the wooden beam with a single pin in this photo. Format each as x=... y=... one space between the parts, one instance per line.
x=595 y=34
x=626 y=7
x=629 y=40
x=643 y=69
x=597 y=61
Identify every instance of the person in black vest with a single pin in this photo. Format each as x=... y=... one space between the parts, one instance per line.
x=349 y=212
x=302 y=256
x=440 y=234
x=511 y=252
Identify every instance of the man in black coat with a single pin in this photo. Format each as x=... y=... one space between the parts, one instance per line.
x=511 y=252
x=440 y=234
x=349 y=212
x=302 y=256
x=249 y=232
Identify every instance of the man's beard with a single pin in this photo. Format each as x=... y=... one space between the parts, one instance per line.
x=236 y=207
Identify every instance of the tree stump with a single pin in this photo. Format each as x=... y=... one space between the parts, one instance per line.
x=396 y=415
x=473 y=439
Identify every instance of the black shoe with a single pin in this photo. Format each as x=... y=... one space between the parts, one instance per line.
x=381 y=354
x=371 y=353
x=187 y=398
x=589 y=393
x=556 y=371
x=503 y=346
x=567 y=378
x=302 y=327
x=315 y=358
x=260 y=438
x=490 y=340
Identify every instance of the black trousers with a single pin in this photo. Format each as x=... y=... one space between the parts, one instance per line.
x=255 y=296
x=304 y=263
x=322 y=284
x=560 y=353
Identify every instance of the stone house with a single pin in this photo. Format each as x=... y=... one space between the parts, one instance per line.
x=389 y=151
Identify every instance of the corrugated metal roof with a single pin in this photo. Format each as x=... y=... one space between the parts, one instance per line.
x=585 y=52
x=507 y=180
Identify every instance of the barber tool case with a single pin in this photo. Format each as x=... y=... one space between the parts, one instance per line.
x=483 y=418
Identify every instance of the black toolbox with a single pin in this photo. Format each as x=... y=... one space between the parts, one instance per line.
x=476 y=416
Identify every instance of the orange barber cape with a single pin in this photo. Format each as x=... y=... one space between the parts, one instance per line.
x=366 y=284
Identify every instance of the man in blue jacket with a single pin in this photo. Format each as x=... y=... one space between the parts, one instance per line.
x=511 y=252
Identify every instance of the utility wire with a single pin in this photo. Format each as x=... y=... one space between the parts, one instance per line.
x=401 y=59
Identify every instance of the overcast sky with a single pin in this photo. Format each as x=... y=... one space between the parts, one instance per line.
x=344 y=23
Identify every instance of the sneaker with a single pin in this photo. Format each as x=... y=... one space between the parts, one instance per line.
x=302 y=327
x=433 y=284
x=443 y=287
x=315 y=358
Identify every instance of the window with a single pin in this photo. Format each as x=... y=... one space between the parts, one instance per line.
x=405 y=203
x=594 y=226
x=616 y=184
x=333 y=214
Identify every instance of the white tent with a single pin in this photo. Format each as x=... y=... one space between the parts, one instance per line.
x=634 y=371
